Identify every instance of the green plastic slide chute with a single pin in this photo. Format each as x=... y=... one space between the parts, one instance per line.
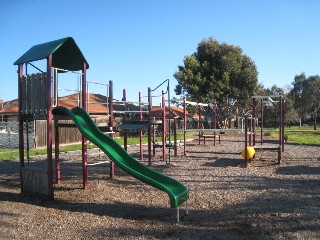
x=178 y=193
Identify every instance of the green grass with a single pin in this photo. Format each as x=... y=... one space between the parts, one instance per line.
x=303 y=135
x=13 y=153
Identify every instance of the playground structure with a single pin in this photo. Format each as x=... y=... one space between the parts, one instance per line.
x=39 y=99
x=166 y=143
x=133 y=125
x=203 y=133
x=250 y=126
x=140 y=124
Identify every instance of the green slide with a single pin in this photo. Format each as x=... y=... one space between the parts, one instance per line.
x=177 y=192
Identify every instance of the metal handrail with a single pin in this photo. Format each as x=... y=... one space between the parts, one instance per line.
x=56 y=89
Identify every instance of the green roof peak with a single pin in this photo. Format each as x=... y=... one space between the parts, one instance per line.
x=65 y=54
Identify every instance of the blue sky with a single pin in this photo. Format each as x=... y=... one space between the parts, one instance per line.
x=140 y=43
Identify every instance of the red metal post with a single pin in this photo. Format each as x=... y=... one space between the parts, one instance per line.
x=57 y=151
x=250 y=131
x=283 y=120
x=111 y=122
x=49 y=129
x=21 y=139
x=215 y=124
x=149 y=121
x=254 y=122
x=164 y=127
x=56 y=134
x=153 y=141
x=125 y=134
x=245 y=139
x=261 y=124
x=199 y=123
x=84 y=140
x=280 y=121
x=140 y=118
x=184 y=125
x=175 y=136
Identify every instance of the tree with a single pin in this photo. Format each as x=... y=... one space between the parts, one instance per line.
x=311 y=96
x=218 y=73
x=296 y=95
x=270 y=111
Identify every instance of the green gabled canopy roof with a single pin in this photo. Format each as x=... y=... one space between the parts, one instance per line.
x=65 y=54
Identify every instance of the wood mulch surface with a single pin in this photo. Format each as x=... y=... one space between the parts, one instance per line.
x=227 y=200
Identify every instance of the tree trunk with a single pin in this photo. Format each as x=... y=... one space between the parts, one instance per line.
x=300 y=122
x=237 y=116
x=228 y=110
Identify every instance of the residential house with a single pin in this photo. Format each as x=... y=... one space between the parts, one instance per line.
x=97 y=107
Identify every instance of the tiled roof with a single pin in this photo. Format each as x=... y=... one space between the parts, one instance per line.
x=175 y=112
x=97 y=106
x=10 y=107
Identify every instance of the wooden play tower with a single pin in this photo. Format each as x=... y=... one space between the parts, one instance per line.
x=37 y=96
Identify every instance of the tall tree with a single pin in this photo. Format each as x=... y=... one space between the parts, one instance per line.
x=218 y=73
x=311 y=96
x=297 y=95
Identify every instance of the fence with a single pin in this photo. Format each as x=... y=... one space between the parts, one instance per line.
x=9 y=134
x=37 y=134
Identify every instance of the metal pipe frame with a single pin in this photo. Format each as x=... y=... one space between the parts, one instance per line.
x=21 y=138
x=140 y=133
x=178 y=212
x=213 y=130
x=149 y=129
x=102 y=103
x=199 y=123
x=111 y=168
x=88 y=92
x=97 y=163
x=184 y=125
x=246 y=140
x=254 y=125
x=261 y=124
x=215 y=122
x=175 y=137
x=49 y=129
x=164 y=128
x=97 y=83
x=131 y=111
x=57 y=152
x=84 y=140
x=65 y=70
x=266 y=97
x=129 y=102
x=281 y=116
x=283 y=121
x=125 y=134
x=56 y=89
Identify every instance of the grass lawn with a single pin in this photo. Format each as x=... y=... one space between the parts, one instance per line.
x=13 y=153
x=303 y=135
